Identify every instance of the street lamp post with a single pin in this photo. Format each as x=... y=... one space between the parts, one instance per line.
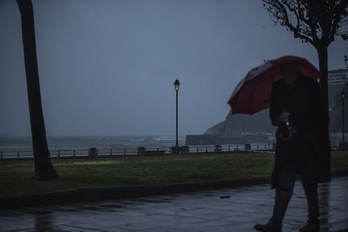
x=176 y=87
x=343 y=96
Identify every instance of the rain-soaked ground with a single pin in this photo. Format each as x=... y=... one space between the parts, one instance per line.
x=237 y=209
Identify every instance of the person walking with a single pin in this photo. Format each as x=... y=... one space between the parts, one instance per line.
x=302 y=148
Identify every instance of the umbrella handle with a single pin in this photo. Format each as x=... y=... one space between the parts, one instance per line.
x=290 y=133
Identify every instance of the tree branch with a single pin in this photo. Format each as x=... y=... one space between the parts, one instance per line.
x=280 y=11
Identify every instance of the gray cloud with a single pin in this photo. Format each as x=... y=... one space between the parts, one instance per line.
x=107 y=67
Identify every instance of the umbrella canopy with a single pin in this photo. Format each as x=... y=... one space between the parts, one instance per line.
x=253 y=93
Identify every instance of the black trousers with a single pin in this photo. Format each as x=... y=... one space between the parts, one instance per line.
x=296 y=158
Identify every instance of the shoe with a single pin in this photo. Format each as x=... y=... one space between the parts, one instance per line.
x=269 y=227
x=310 y=227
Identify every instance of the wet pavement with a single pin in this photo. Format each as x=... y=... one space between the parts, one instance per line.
x=237 y=209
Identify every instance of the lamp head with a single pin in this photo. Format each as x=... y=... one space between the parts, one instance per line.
x=176 y=85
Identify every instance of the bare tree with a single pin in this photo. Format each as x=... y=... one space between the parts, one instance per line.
x=345 y=37
x=44 y=169
x=313 y=21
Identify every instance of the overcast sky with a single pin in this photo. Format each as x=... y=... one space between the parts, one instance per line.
x=107 y=67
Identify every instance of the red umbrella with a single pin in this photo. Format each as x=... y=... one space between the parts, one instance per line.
x=253 y=93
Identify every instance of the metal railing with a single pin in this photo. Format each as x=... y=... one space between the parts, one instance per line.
x=230 y=148
x=68 y=153
x=134 y=151
x=22 y=154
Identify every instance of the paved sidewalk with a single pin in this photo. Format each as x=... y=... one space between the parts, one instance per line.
x=236 y=209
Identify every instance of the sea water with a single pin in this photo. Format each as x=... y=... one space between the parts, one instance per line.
x=86 y=142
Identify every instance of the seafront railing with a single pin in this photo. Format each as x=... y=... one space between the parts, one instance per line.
x=10 y=154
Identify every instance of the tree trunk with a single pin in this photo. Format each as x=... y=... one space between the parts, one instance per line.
x=44 y=169
x=323 y=68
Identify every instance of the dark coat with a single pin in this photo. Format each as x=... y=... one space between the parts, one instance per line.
x=309 y=117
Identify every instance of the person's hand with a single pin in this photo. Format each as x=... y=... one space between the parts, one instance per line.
x=284 y=117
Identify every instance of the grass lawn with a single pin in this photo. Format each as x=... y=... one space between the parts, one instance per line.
x=15 y=175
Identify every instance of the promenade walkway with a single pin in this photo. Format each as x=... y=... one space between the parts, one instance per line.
x=236 y=209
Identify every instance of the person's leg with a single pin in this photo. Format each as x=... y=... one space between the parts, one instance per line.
x=285 y=181
x=311 y=191
x=310 y=183
x=284 y=174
